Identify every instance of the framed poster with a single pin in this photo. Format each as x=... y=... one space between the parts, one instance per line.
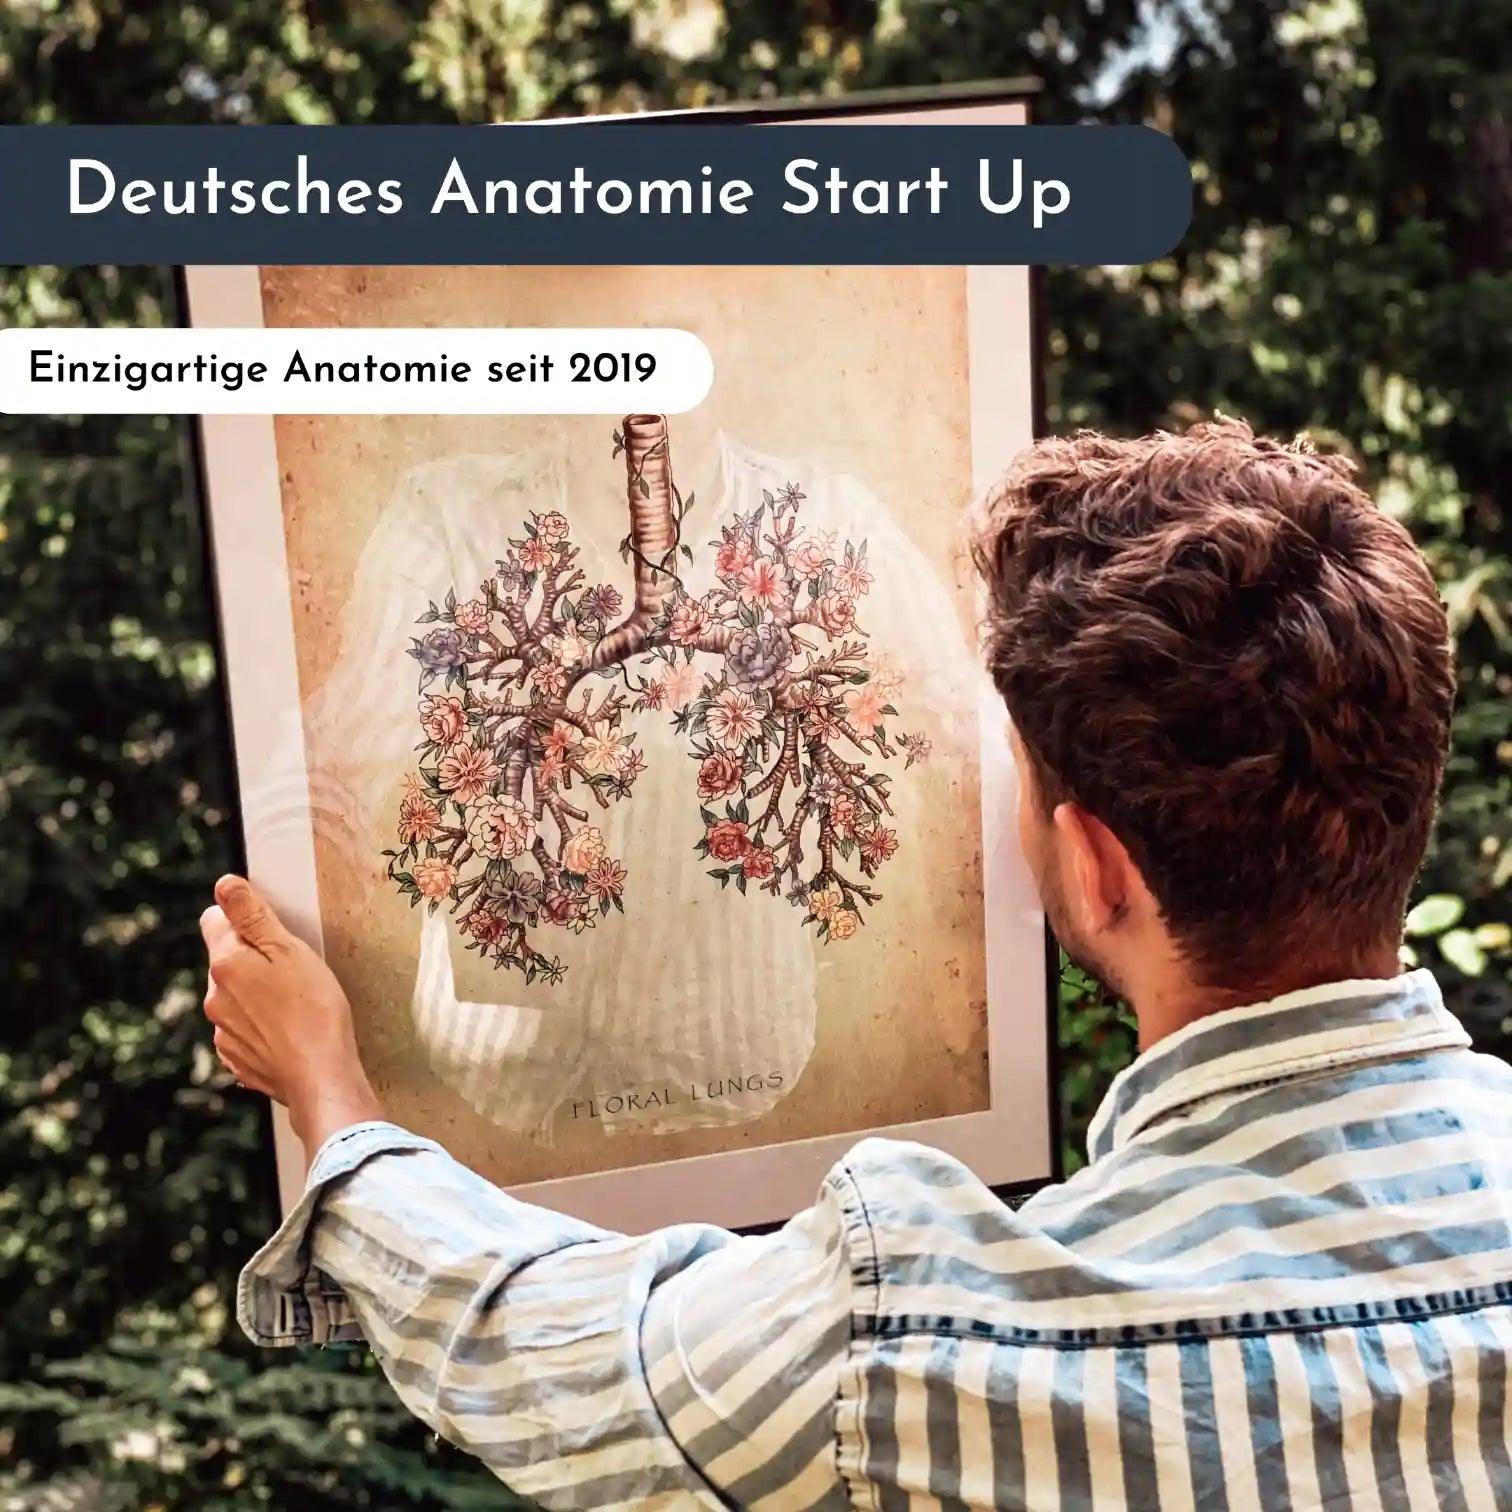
x=637 y=776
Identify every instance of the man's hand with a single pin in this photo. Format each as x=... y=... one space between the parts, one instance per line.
x=282 y=1023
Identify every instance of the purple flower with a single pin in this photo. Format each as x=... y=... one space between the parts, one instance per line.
x=440 y=651
x=758 y=656
x=518 y=897
x=599 y=602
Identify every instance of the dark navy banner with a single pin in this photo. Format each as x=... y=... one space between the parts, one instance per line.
x=590 y=193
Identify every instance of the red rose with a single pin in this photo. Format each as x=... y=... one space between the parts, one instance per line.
x=759 y=863
x=728 y=840
x=719 y=775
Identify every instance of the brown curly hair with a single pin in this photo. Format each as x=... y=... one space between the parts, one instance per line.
x=1219 y=646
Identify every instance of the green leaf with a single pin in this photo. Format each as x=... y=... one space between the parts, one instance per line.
x=1434 y=914
x=1460 y=948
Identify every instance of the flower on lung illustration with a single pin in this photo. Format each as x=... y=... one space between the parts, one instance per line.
x=527 y=686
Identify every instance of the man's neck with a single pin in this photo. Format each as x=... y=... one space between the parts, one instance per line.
x=1165 y=1006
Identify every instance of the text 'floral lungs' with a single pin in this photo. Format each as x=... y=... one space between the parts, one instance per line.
x=525 y=687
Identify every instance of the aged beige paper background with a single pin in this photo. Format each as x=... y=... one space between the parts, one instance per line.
x=855 y=375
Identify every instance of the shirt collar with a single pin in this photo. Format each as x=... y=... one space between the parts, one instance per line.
x=1319 y=1028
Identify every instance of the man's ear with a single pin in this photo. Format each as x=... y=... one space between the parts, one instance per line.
x=1103 y=879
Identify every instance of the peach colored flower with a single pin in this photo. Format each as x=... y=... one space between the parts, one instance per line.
x=761 y=583
x=604 y=755
x=732 y=718
x=689 y=620
x=733 y=557
x=879 y=844
x=434 y=878
x=500 y=828
x=843 y=924
x=467 y=773
x=864 y=705
x=719 y=775
x=472 y=616
x=584 y=850
x=837 y=611
x=853 y=579
x=823 y=902
x=443 y=719
x=728 y=840
x=680 y=682
x=550 y=770
x=887 y=680
x=759 y=863
x=808 y=557
x=606 y=879
x=419 y=819
x=536 y=554
x=552 y=526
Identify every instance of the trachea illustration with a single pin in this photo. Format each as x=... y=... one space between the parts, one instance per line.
x=527 y=687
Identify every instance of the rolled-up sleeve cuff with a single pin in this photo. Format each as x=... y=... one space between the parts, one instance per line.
x=281 y=1297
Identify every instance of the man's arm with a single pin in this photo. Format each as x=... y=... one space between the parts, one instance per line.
x=585 y=1368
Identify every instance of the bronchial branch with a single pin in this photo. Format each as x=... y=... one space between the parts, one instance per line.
x=526 y=687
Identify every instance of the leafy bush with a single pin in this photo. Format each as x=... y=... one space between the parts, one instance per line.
x=1344 y=273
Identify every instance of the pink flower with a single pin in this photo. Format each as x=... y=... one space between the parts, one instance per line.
x=759 y=863
x=560 y=739
x=837 y=611
x=536 y=554
x=809 y=557
x=852 y=578
x=719 y=775
x=761 y=583
x=443 y=719
x=864 y=705
x=467 y=773
x=879 y=845
x=842 y=812
x=500 y=828
x=680 y=683
x=688 y=622
x=843 y=924
x=584 y=850
x=732 y=718
x=606 y=879
x=728 y=840
x=564 y=908
x=653 y=695
x=434 y=877
x=486 y=926
x=549 y=678
x=472 y=616
x=419 y=819
x=552 y=527
x=733 y=557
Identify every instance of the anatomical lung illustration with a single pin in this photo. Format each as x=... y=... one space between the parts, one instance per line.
x=532 y=685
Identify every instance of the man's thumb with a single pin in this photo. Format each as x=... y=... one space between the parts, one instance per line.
x=248 y=912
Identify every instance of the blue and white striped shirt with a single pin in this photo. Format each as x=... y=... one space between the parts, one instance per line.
x=1284 y=1282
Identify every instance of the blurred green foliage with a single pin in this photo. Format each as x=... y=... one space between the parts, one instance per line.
x=1345 y=273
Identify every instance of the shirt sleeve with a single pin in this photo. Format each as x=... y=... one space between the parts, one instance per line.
x=683 y=1367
